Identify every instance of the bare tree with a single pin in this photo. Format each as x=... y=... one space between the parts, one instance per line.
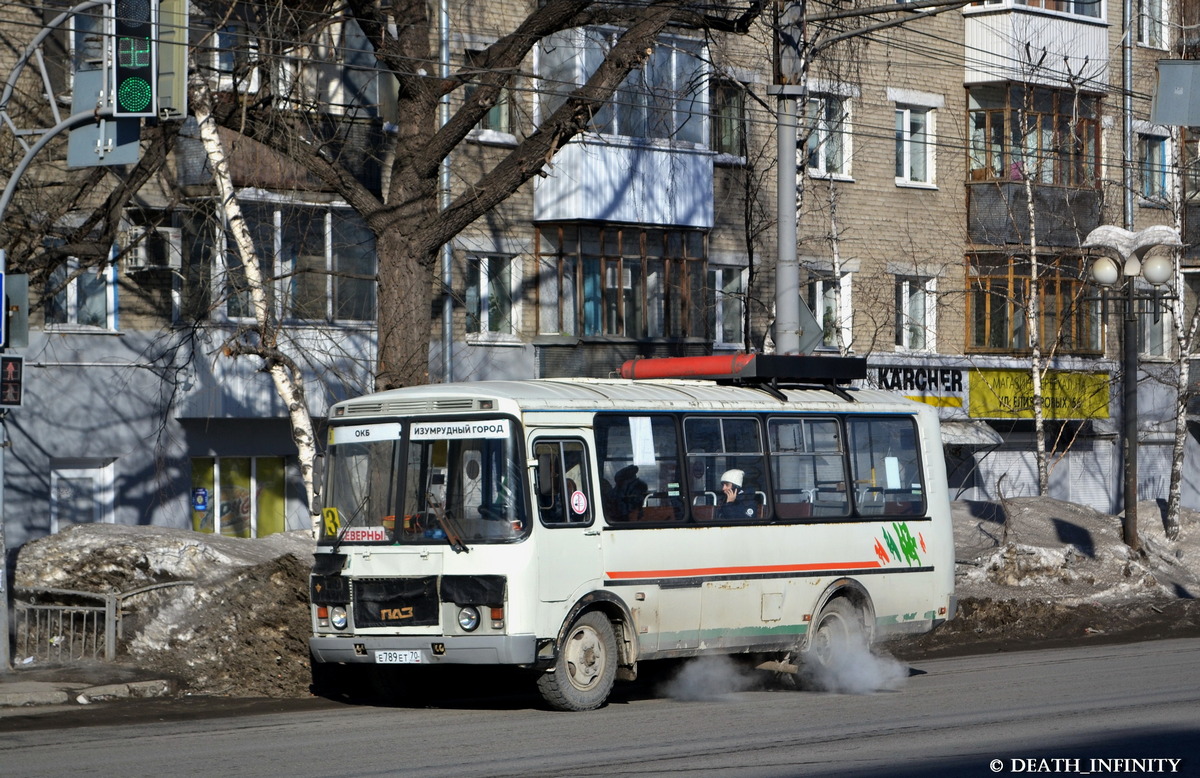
x=408 y=221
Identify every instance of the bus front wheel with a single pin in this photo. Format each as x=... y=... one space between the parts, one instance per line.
x=586 y=667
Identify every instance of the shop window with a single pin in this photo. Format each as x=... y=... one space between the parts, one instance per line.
x=241 y=497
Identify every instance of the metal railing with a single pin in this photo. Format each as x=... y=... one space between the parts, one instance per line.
x=64 y=625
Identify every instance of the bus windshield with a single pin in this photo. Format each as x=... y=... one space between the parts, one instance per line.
x=455 y=482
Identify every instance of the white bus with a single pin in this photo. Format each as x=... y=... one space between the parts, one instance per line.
x=577 y=527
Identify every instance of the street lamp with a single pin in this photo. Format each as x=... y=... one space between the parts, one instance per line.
x=1131 y=248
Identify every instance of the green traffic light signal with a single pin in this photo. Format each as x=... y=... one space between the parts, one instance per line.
x=135 y=55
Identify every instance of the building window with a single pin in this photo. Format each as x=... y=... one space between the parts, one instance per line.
x=914 y=152
x=1150 y=23
x=320 y=262
x=999 y=288
x=499 y=116
x=726 y=305
x=632 y=281
x=1191 y=299
x=231 y=55
x=828 y=135
x=916 y=313
x=489 y=298
x=1049 y=135
x=1152 y=167
x=728 y=117
x=822 y=292
x=664 y=99
x=80 y=297
x=1191 y=165
x=240 y=497
x=1154 y=325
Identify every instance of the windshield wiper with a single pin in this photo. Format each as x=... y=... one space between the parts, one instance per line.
x=453 y=536
x=337 y=542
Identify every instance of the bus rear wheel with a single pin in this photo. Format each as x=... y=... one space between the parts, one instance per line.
x=586 y=667
x=840 y=638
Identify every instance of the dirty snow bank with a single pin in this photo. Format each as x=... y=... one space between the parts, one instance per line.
x=1039 y=548
x=238 y=625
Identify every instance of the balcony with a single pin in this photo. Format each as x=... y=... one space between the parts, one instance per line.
x=635 y=183
x=998 y=214
x=1002 y=37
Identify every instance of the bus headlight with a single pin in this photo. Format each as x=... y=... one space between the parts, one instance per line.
x=468 y=618
x=337 y=616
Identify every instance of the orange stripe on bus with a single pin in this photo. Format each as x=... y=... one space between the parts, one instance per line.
x=742 y=570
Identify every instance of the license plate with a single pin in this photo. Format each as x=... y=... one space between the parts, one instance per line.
x=398 y=657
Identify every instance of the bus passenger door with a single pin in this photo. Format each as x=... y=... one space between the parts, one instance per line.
x=568 y=534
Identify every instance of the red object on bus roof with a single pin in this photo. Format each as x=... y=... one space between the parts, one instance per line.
x=753 y=368
x=687 y=367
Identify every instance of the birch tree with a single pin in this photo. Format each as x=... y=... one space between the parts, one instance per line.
x=260 y=339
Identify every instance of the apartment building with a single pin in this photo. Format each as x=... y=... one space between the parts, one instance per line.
x=651 y=234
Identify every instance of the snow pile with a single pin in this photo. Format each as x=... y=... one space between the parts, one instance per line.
x=236 y=624
x=118 y=558
x=1026 y=548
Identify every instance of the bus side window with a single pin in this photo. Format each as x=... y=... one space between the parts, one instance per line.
x=807 y=467
x=638 y=458
x=887 y=466
x=716 y=447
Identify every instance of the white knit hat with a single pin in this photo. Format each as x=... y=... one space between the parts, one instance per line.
x=734 y=477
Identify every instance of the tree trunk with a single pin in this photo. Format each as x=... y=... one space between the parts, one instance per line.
x=405 y=274
x=289 y=383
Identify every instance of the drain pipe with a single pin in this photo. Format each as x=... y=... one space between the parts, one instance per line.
x=447 y=249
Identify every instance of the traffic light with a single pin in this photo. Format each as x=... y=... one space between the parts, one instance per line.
x=135 y=56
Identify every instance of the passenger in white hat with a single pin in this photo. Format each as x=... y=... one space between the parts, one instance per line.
x=736 y=505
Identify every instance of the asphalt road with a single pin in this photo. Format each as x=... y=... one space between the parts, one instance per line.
x=1024 y=712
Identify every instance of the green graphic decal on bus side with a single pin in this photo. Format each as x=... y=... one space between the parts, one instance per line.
x=908 y=544
x=904 y=544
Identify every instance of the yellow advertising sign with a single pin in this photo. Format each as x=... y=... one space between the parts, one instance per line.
x=1008 y=394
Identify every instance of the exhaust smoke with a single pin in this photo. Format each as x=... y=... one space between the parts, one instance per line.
x=850 y=667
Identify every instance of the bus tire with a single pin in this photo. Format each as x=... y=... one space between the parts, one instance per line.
x=839 y=628
x=586 y=666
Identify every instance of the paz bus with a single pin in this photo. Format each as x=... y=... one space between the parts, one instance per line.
x=576 y=527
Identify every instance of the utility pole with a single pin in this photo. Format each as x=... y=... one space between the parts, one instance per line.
x=796 y=329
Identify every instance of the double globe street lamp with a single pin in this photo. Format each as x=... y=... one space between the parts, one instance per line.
x=1131 y=248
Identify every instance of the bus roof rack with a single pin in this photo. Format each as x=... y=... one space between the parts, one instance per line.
x=769 y=371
